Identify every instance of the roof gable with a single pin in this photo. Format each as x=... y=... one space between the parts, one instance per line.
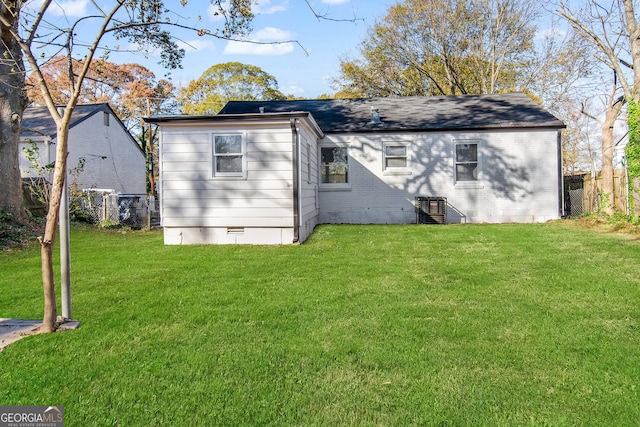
x=502 y=111
x=37 y=121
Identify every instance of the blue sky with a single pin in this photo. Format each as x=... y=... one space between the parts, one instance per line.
x=303 y=69
x=306 y=74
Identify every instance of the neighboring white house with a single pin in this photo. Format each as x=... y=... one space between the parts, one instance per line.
x=102 y=153
x=269 y=172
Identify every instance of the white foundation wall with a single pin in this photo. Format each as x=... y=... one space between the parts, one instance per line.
x=226 y=235
x=517 y=180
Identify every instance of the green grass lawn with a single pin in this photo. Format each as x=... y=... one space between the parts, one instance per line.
x=362 y=325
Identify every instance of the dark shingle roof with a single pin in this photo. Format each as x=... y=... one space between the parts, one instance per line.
x=513 y=110
x=37 y=122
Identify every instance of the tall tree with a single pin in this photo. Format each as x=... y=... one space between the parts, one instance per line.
x=225 y=82
x=141 y=22
x=126 y=87
x=13 y=101
x=613 y=31
x=445 y=48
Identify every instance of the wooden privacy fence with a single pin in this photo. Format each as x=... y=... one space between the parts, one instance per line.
x=582 y=193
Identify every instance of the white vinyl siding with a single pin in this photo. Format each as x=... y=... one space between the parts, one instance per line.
x=309 y=206
x=307 y=152
x=109 y=157
x=200 y=207
x=112 y=157
x=192 y=195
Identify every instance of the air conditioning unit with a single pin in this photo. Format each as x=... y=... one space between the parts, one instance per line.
x=431 y=210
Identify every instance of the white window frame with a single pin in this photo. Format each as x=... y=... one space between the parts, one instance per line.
x=394 y=170
x=328 y=185
x=477 y=183
x=243 y=154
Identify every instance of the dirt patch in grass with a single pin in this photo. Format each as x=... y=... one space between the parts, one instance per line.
x=608 y=224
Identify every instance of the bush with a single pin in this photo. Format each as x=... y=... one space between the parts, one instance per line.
x=108 y=224
x=12 y=233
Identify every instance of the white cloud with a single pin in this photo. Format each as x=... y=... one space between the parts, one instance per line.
x=69 y=8
x=196 y=45
x=334 y=1
x=75 y=8
x=264 y=7
x=293 y=89
x=267 y=41
x=272 y=34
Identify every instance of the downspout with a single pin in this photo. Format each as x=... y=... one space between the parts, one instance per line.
x=295 y=149
x=560 y=177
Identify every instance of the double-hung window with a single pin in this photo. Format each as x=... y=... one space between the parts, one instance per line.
x=466 y=161
x=334 y=166
x=395 y=158
x=229 y=157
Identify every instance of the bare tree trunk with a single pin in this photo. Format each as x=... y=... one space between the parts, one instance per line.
x=614 y=108
x=607 y=186
x=48 y=239
x=13 y=101
x=50 y=310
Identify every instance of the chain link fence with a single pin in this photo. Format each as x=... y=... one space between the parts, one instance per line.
x=582 y=194
x=108 y=207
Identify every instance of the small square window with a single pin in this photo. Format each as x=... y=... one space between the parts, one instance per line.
x=395 y=156
x=228 y=155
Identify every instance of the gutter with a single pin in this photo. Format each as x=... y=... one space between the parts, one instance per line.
x=295 y=145
x=561 y=207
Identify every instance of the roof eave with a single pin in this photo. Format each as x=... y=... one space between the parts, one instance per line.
x=447 y=129
x=224 y=117
x=244 y=117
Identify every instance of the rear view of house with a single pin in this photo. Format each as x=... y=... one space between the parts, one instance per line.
x=269 y=172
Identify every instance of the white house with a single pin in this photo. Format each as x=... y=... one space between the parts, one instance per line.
x=269 y=172
x=102 y=153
